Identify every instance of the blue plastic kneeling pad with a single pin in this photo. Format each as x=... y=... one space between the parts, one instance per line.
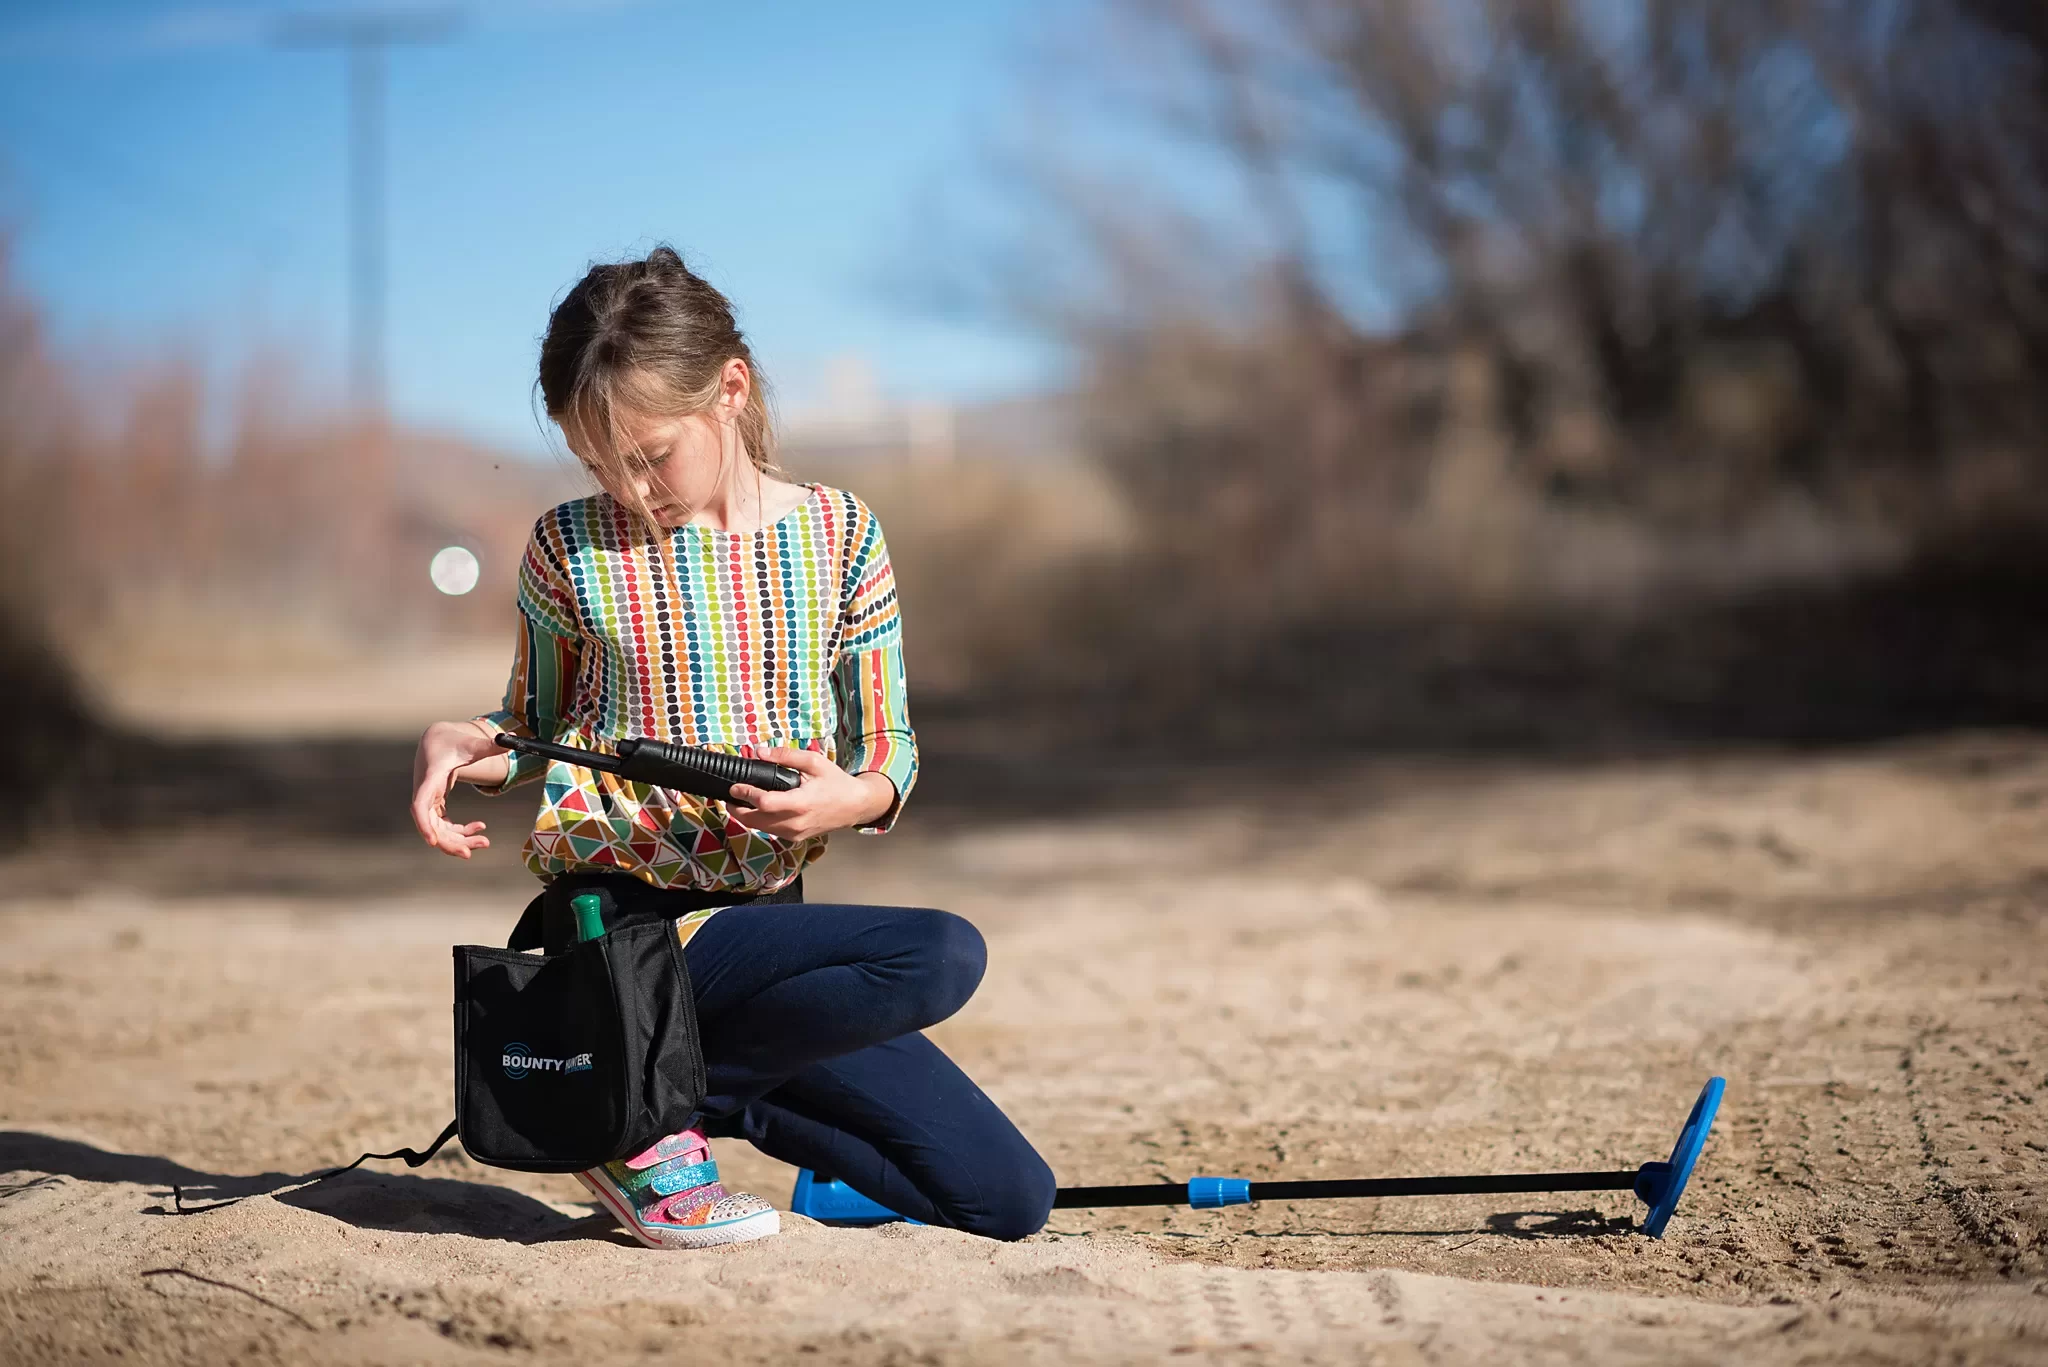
x=832 y=1202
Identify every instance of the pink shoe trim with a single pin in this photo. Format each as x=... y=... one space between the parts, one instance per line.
x=678 y=1209
x=670 y=1146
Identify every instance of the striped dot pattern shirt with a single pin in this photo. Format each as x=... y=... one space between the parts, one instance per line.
x=789 y=635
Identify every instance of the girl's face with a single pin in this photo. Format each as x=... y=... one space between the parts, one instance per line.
x=671 y=465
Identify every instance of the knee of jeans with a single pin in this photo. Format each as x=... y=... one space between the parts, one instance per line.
x=1014 y=1204
x=955 y=957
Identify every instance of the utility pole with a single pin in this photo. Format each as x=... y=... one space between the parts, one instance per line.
x=364 y=36
x=362 y=516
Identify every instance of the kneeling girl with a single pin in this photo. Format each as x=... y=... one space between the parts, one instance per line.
x=699 y=599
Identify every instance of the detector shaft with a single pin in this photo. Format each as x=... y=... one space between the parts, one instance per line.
x=1161 y=1194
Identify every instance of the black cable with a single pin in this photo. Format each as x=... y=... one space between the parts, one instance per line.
x=413 y=1159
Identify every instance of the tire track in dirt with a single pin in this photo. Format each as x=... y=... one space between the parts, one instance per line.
x=2001 y=1205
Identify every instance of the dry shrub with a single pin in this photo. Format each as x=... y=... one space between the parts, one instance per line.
x=1305 y=471
x=301 y=545
x=37 y=686
x=1418 y=578
x=137 y=551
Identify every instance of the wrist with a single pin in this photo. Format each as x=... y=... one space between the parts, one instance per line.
x=881 y=797
x=484 y=762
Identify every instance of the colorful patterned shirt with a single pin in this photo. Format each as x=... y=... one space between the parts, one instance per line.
x=785 y=636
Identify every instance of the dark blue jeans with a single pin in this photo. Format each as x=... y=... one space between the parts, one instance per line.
x=810 y=1016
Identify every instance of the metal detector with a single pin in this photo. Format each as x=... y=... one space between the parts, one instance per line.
x=1658 y=1184
x=664 y=764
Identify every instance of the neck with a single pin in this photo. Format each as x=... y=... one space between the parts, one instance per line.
x=735 y=505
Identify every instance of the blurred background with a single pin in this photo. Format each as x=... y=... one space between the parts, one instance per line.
x=1236 y=379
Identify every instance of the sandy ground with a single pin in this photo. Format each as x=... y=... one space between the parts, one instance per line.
x=1411 y=968
x=372 y=695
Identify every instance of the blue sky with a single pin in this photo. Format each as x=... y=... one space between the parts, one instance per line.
x=175 y=178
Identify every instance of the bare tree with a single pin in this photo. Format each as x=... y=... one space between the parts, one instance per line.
x=1706 y=250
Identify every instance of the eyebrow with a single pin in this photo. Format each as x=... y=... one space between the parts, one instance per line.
x=645 y=456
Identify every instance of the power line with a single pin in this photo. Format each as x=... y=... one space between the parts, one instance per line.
x=364 y=37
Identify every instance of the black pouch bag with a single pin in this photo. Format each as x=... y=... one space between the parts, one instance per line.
x=565 y=1061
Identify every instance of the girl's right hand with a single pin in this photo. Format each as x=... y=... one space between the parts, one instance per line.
x=452 y=752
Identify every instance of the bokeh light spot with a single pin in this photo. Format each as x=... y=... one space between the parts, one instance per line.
x=453 y=570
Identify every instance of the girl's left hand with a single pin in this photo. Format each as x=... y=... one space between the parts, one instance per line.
x=828 y=799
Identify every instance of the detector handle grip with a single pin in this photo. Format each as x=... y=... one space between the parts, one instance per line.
x=693 y=769
x=663 y=764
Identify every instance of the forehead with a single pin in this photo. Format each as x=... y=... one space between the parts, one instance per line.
x=630 y=430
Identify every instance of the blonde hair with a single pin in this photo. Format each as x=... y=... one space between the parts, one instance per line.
x=650 y=337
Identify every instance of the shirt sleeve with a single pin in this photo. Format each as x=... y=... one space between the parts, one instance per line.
x=547 y=649
x=868 y=683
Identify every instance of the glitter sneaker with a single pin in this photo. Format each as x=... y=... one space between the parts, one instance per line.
x=670 y=1197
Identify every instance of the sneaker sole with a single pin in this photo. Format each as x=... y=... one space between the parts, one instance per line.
x=759 y=1225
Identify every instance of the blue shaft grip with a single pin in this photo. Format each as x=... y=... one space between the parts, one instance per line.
x=1212 y=1193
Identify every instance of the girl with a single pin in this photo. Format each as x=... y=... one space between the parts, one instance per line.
x=699 y=599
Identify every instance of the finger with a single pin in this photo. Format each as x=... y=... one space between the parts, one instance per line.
x=811 y=762
x=749 y=818
x=449 y=838
x=769 y=822
x=778 y=799
x=790 y=828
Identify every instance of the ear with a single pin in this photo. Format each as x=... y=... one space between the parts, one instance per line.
x=735 y=385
